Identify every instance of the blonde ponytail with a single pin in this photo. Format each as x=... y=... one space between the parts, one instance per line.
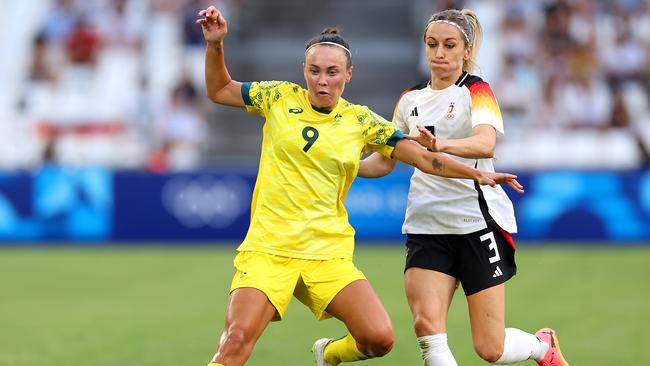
x=471 y=64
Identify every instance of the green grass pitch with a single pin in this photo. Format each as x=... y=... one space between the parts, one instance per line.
x=164 y=306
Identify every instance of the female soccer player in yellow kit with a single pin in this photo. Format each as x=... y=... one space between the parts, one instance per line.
x=300 y=242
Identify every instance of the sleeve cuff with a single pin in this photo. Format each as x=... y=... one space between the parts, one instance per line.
x=245 y=93
x=396 y=136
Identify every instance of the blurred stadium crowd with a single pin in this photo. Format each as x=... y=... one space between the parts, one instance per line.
x=118 y=83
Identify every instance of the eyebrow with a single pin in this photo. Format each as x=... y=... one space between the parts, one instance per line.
x=446 y=39
x=328 y=67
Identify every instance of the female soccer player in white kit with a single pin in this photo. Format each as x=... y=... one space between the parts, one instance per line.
x=457 y=230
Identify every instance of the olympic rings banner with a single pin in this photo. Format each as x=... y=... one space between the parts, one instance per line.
x=96 y=206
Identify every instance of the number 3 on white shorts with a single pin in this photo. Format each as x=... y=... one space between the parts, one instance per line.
x=492 y=246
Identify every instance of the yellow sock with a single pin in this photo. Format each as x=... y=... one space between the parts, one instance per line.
x=214 y=364
x=343 y=350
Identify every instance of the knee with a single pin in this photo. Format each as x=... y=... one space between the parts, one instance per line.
x=378 y=342
x=235 y=340
x=380 y=345
x=424 y=325
x=490 y=351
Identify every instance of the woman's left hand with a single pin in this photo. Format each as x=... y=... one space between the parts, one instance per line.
x=506 y=178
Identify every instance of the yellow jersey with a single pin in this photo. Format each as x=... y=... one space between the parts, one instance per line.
x=308 y=161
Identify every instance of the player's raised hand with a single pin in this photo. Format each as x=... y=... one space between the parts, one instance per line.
x=506 y=178
x=425 y=138
x=213 y=23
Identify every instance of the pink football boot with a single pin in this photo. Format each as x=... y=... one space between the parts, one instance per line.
x=553 y=356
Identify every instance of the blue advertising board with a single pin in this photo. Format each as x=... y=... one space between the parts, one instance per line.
x=584 y=206
x=184 y=206
x=96 y=205
x=55 y=203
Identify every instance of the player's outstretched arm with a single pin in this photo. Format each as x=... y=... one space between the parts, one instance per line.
x=478 y=146
x=438 y=164
x=375 y=166
x=219 y=85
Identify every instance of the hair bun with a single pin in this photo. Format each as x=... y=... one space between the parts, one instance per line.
x=330 y=30
x=331 y=35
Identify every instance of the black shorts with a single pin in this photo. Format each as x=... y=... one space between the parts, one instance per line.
x=479 y=260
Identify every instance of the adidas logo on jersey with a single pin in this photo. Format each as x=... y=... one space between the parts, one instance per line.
x=414 y=112
x=497 y=272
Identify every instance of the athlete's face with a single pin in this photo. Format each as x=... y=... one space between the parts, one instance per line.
x=326 y=72
x=446 y=51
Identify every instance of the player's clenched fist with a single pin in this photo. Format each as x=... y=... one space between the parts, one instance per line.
x=213 y=23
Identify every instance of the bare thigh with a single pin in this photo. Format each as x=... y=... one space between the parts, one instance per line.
x=429 y=295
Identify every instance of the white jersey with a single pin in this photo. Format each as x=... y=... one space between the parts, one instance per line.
x=438 y=205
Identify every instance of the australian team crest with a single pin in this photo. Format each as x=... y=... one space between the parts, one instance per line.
x=337 y=119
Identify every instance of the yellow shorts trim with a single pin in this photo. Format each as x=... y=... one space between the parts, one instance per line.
x=314 y=282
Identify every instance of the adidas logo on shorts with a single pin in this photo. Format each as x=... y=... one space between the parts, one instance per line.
x=497 y=272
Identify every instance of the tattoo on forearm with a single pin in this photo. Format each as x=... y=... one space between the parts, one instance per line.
x=437 y=165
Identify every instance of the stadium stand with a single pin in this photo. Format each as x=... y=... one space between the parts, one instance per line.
x=119 y=83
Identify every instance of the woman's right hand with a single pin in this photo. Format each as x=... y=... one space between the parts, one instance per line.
x=214 y=25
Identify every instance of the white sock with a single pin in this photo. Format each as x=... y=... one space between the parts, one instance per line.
x=521 y=346
x=435 y=350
